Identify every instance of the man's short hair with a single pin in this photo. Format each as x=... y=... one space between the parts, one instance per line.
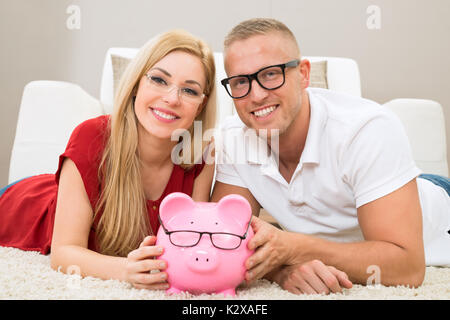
x=258 y=26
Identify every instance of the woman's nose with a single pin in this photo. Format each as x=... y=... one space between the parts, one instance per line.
x=172 y=96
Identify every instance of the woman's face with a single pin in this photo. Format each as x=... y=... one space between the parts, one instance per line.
x=170 y=95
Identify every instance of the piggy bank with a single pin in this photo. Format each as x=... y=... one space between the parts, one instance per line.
x=205 y=243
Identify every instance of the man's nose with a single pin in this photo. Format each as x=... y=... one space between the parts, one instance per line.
x=257 y=93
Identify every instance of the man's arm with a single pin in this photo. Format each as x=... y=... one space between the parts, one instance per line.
x=392 y=228
x=310 y=277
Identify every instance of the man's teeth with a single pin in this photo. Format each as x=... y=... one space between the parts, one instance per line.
x=264 y=112
x=164 y=115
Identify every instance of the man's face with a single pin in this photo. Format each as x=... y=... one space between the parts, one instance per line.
x=262 y=108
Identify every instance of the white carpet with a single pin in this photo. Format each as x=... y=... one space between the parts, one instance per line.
x=28 y=275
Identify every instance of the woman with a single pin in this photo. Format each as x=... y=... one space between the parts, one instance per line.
x=97 y=211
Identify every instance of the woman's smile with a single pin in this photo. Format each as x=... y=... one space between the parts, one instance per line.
x=164 y=115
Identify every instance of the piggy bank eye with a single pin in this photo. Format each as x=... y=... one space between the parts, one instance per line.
x=192 y=222
x=217 y=223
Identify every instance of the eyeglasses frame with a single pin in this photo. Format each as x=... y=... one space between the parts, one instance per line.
x=167 y=232
x=254 y=76
x=172 y=86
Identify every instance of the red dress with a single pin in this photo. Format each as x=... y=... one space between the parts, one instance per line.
x=27 y=208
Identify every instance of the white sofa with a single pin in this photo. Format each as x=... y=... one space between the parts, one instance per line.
x=50 y=110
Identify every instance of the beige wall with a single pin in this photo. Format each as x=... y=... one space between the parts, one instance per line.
x=406 y=58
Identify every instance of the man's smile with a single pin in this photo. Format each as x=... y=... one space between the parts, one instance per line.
x=264 y=112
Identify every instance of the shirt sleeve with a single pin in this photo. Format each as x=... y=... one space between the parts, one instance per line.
x=226 y=173
x=85 y=149
x=377 y=159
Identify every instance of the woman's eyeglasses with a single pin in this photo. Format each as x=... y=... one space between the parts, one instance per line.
x=158 y=83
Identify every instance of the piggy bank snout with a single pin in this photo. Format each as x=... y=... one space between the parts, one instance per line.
x=203 y=260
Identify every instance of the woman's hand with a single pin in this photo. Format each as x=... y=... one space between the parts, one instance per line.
x=141 y=262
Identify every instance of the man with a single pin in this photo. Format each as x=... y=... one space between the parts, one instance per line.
x=341 y=180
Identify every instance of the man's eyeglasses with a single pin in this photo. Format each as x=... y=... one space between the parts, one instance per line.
x=160 y=84
x=220 y=240
x=269 y=78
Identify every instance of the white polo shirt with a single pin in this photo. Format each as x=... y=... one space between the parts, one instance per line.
x=356 y=151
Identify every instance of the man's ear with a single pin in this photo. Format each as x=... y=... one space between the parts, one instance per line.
x=305 y=70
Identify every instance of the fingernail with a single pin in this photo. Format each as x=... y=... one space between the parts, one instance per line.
x=162 y=265
x=160 y=249
x=163 y=275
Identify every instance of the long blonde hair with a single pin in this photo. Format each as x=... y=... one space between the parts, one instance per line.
x=122 y=204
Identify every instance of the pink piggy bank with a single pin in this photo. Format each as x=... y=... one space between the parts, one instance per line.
x=205 y=243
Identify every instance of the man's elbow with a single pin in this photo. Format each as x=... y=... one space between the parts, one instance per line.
x=415 y=276
x=409 y=271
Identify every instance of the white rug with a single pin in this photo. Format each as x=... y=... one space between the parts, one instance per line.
x=28 y=275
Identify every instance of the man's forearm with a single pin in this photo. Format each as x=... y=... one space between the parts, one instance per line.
x=364 y=262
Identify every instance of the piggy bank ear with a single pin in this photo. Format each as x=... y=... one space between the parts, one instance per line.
x=235 y=207
x=174 y=204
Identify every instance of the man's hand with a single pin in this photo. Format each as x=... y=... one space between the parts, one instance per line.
x=312 y=277
x=272 y=249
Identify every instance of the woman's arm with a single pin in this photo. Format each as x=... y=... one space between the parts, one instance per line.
x=73 y=221
x=203 y=183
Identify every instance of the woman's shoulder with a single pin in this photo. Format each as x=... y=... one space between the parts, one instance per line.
x=90 y=130
x=93 y=126
x=88 y=139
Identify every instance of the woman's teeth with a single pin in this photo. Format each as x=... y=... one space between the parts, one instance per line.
x=164 y=115
x=264 y=112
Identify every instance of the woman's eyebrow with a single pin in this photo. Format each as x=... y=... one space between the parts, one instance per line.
x=193 y=82
x=163 y=71
x=169 y=75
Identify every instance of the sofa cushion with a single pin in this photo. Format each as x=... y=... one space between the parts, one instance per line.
x=318 y=75
x=119 y=64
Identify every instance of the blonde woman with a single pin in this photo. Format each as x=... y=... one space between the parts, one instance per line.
x=99 y=211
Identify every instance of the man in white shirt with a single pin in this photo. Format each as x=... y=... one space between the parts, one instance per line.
x=339 y=178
